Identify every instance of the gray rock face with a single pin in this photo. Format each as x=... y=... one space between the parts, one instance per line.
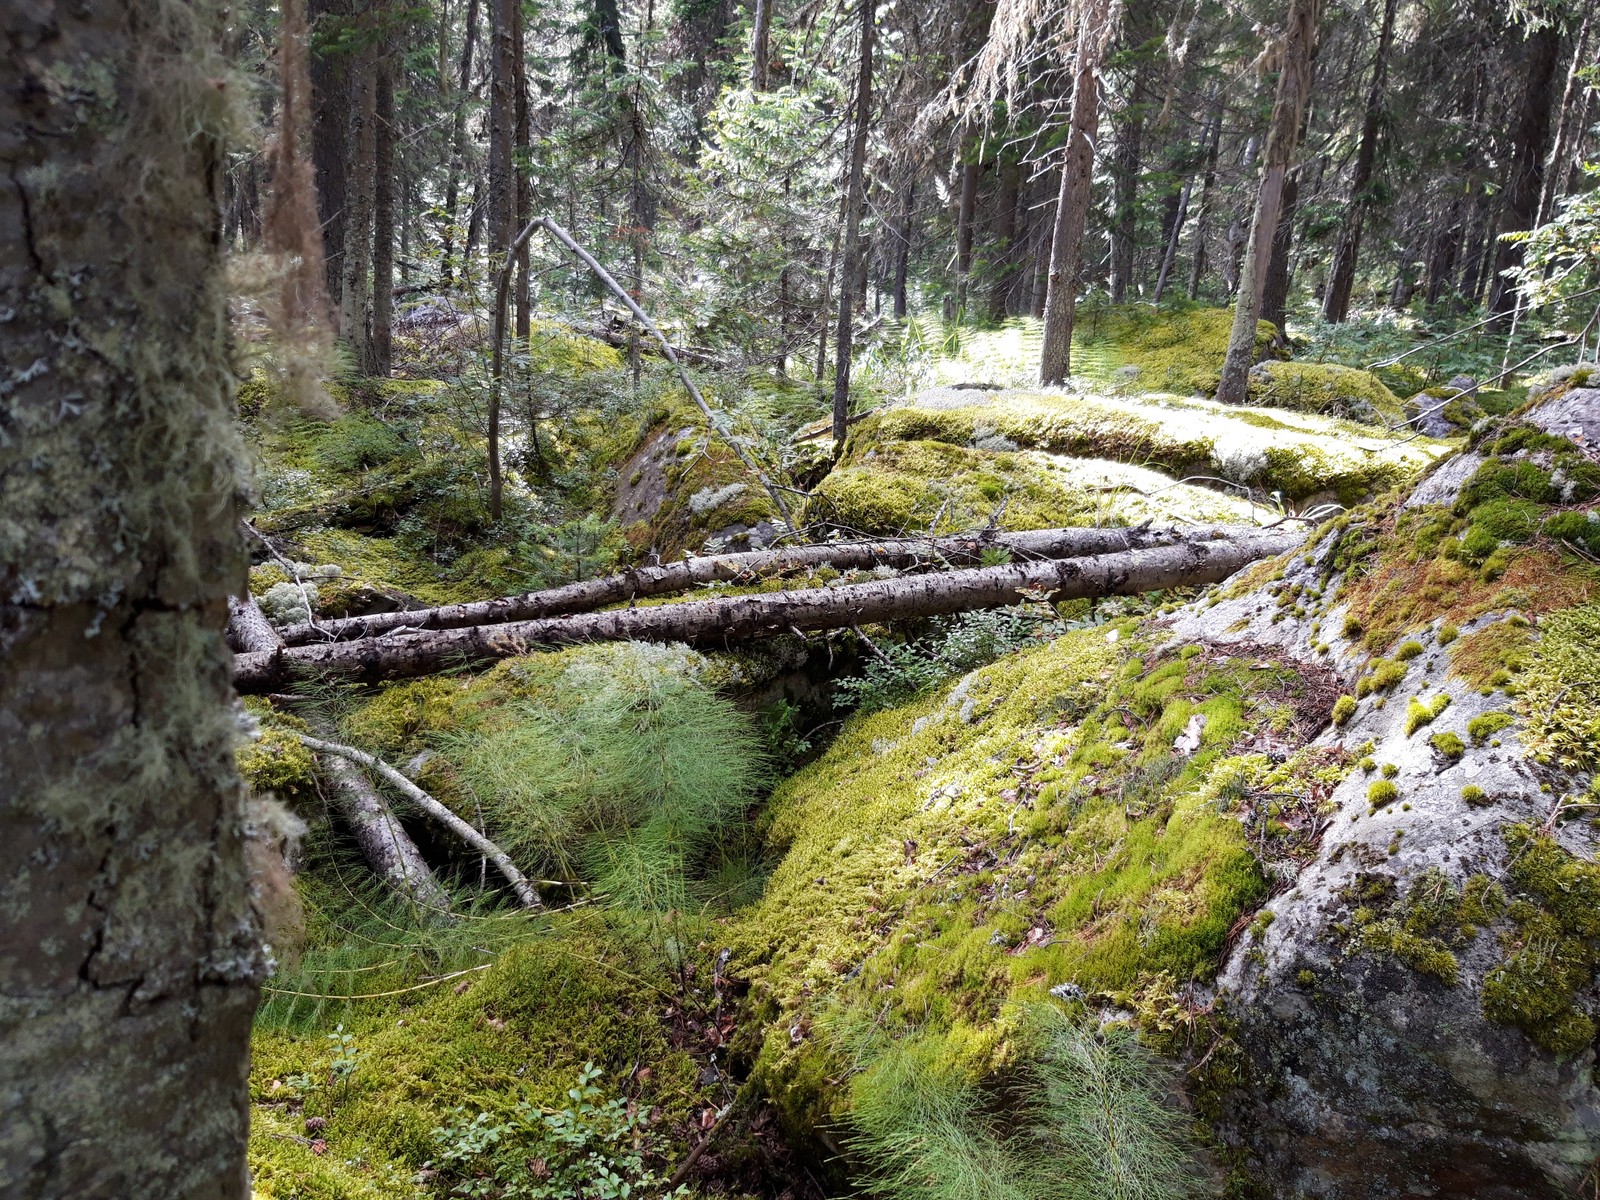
x=1575 y=415
x=1424 y=413
x=1368 y=1077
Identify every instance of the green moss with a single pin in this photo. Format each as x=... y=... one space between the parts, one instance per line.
x=1419 y=714
x=1381 y=676
x=1484 y=726
x=1382 y=792
x=1560 y=699
x=1406 y=651
x=276 y=762
x=1448 y=744
x=1474 y=795
x=1327 y=389
x=1448 y=633
x=1580 y=529
x=1343 y=709
x=1557 y=914
x=918 y=872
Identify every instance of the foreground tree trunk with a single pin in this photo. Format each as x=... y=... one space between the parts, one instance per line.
x=734 y=618
x=129 y=955
x=1294 y=83
x=1077 y=186
x=643 y=582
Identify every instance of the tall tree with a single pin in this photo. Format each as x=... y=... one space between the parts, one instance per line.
x=855 y=196
x=1096 y=20
x=383 y=221
x=1295 y=51
x=355 y=296
x=1342 y=276
x=330 y=128
x=129 y=957
x=1525 y=174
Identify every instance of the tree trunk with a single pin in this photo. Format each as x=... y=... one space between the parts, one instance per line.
x=1567 y=123
x=130 y=957
x=522 y=136
x=1171 y=252
x=1077 y=187
x=760 y=36
x=1280 y=269
x=902 y=249
x=644 y=582
x=1003 y=261
x=355 y=300
x=458 y=151
x=1207 y=188
x=1124 y=197
x=966 y=222
x=383 y=217
x=1524 y=180
x=1294 y=82
x=711 y=622
x=330 y=131
x=854 y=195
x=502 y=120
x=386 y=846
x=1342 y=275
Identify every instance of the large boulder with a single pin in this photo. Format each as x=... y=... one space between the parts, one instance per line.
x=1415 y=1010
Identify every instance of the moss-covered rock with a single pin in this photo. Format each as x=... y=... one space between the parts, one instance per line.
x=1327 y=389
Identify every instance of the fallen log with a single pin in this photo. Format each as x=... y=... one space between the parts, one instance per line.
x=388 y=849
x=502 y=861
x=732 y=618
x=643 y=582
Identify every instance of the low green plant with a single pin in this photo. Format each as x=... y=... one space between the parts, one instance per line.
x=1343 y=709
x=590 y=1149
x=1086 y=1120
x=900 y=671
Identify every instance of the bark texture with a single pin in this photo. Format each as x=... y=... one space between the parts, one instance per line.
x=400 y=655
x=643 y=582
x=129 y=953
x=854 y=195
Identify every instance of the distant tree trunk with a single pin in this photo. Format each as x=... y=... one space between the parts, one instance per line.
x=1207 y=186
x=902 y=250
x=1479 y=248
x=1077 y=186
x=1171 y=251
x=760 y=36
x=502 y=120
x=1568 y=122
x=1280 y=267
x=1294 y=82
x=522 y=138
x=131 y=957
x=1443 y=250
x=1524 y=179
x=1124 y=198
x=330 y=131
x=1003 y=266
x=855 y=194
x=1342 y=275
x=383 y=217
x=966 y=220
x=355 y=298
x=1044 y=224
x=458 y=149
x=502 y=198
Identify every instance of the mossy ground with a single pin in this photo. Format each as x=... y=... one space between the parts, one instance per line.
x=1030 y=828
x=1301 y=457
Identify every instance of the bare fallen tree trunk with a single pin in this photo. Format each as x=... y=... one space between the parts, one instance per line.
x=349 y=754
x=642 y=582
x=403 y=655
x=388 y=849
x=386 y=846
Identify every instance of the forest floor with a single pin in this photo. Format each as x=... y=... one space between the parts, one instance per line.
x=804 y=901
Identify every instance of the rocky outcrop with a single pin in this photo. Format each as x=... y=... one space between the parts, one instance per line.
x=1414 y=1006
